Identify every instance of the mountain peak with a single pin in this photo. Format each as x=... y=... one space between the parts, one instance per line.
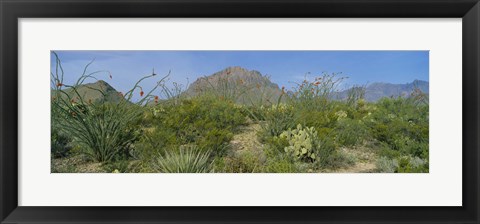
x=101 y=82
x=238 y=78
x=235 y=69
x=101 y=85
x=96 y=91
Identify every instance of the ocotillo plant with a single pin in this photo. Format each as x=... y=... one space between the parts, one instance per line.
x=103 y=130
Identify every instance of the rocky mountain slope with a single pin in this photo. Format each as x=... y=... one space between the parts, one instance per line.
x=242 y=85
x=99 y=91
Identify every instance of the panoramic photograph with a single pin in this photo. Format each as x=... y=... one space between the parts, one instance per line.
x=233 y=111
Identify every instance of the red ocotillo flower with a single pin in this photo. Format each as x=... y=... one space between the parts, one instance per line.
x=59 y=84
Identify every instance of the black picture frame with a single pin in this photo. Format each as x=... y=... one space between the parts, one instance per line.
x=12 y=10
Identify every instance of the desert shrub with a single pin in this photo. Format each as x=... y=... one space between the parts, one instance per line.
x=329 y=156
x=255 y=113
x=323 y=121
x=59 y=144
x=204 y=121
x=216 y=139
x=386 y=165
x=408 y=164
x=283 y=163
x=243 y=162
x=188 y=159
x=280 y=166
x=207 y=122
x=402 y=124
x=385 y=151
x=276 y=145
x=350 y=132
x=104 y=130
x=278 y=118
x=408 y=146
x=402 y=164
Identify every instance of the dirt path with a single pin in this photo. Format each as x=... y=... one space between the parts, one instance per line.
x=247 y=141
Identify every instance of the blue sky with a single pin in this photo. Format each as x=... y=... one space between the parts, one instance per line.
x=284 y=67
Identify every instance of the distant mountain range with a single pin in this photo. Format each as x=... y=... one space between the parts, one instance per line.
x=378 y=90
x=251 y=86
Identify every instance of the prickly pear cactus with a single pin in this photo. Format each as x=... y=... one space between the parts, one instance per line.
x=301 y=142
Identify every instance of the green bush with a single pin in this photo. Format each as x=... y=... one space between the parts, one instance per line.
x=59 y=144
x=278 y=118
x=280 y=166
x=323 y=121
x=402 y=164
x=243 y=162
x=152 y=141
x=188 y=159
x=402 y=124
x=386 y=165
x=408 y=164
x=350 y=132
x=285 y=164
x=206 y=122
x=329 y=156
x=276 y=145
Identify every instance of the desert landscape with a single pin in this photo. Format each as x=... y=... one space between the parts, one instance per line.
x=236 y=120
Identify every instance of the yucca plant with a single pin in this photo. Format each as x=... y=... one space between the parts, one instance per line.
x=104 y=130
x=188 y=159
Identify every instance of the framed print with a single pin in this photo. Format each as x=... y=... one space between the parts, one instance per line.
x=246 y=112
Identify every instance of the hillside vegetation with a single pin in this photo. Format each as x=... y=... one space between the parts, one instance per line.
x=236 y=121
